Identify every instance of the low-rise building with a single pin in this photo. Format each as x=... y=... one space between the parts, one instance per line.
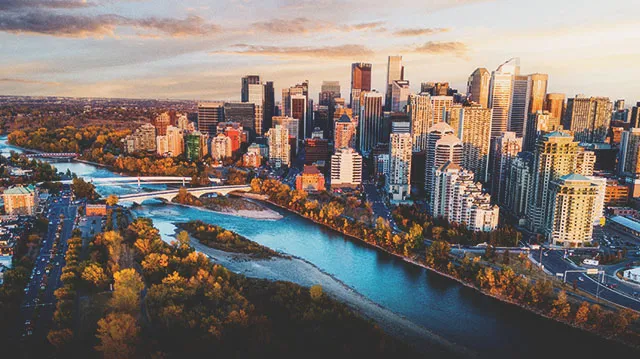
x=20 y=200
x=310 y=180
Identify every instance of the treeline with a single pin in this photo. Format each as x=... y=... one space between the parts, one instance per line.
x=538 y=296
x=42 y=171
x=169 y=301
x=219 y=238
x=440 y=229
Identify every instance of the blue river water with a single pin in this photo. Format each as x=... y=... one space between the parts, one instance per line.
x=459 y=314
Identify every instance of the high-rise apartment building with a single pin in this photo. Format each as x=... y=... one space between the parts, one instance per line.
x=554 y=104
x=161 y=122
x=162 y=145
x=538 y=124
x=395 y=72
x=287 y=93
x=588 y=118
x=291 y=124
x=556 y=155
x=458 y=199
x=221 y=147
x=346 y=168
x=518 y=184
x=436 y=88
x=478 y=87
x=360 y=82
x=472 y=124
x=279 y=146
x=344 y=133
x=500 y=95
x=575 y=200
x=175 y=141
x=440 y=105
x=538 y=93
x=369 y=121
x=434 y=134
x=209 y=114
x=448 y=148
x=400 y=150
x=421 y=117
x=400 y=92
x=505 y=148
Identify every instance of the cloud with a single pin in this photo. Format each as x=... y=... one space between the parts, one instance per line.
x=303 y=25
x=459 y=49
x=420 y=31
x=64 y=25
x=26 y=81
x=51 y=4
x=341 y=51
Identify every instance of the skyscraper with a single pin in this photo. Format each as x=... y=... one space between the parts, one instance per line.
x=246 y=81
x=175 y=141
x=287 y=93
x=472 y=124
x=575 y=202
x=505 y=148
x=299 y=112
x=269 y=106
x=557 y=155
x=629 y=155
x=478 y=87
x=395 y=72
x=399 y=95
x=588 y=118
x=500 y=95
x=554 y=103
x=257 y=97
x=344 y=133
x=329 y=90
x=635 y=115
x=421 y=117
x=520 y=97
x=400 y=150
x=539 y=83
x=360 y=82
x=243 y=113
x=435 y=133
x=209 y=114
x=370 y=121
x=449 y=148
x=291 y=124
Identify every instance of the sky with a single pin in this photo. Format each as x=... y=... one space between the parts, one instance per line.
x=197 y=49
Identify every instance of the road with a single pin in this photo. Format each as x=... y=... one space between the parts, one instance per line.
x=554 y=262
x=373 y=195
x=39 y=300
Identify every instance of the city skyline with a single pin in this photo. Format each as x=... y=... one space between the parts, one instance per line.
x=79 y=48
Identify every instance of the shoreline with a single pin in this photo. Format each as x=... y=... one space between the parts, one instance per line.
x=270 y=214
x=306 y=274
x=457 y=280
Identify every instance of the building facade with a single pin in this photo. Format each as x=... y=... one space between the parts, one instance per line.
x=346 y=168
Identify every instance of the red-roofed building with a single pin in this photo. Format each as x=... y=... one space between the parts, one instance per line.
x=310 y=180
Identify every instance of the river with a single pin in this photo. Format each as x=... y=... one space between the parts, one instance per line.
x=457 y=313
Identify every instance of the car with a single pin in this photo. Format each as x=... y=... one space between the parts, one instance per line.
x=27 y=322
x=581 y=279
x=38 y=272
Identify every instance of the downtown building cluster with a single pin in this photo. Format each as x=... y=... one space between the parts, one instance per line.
x=507 y=150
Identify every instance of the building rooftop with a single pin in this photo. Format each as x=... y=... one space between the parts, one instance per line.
x=575 y=177
x=449 y=140
x=626 y=222
x=20 y=190
x=441 y=127
x=344 y=118
x=311 y=170
x=557 y=134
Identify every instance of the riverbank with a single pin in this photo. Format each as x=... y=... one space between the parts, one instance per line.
x=304 y=273
x=591 y=331
x=266 y=215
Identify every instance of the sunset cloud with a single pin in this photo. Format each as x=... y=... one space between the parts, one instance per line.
x=303 y=25
x=65 y=25
x=420 y=31
x=51 y=4
x=27 y=81
x=341 y=51
x=458 y=49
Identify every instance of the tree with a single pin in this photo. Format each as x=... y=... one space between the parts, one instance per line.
x=582 y=314
x=60 y=338
x=118 y=336
x=83 y=189
x=126 y=294
x=316 y=292
x=561 y=307
x=94 y=274
x=112 y=200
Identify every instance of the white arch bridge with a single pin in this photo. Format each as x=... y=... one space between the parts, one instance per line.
x=106 y=181
x=168 y=195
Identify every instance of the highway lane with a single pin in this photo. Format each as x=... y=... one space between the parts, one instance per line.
x=553 y=261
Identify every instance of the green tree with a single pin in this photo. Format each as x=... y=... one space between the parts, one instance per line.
x=118 y=335
x=316 y=292
x=126 y=293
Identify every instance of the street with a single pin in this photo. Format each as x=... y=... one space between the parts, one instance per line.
x=39 y=301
